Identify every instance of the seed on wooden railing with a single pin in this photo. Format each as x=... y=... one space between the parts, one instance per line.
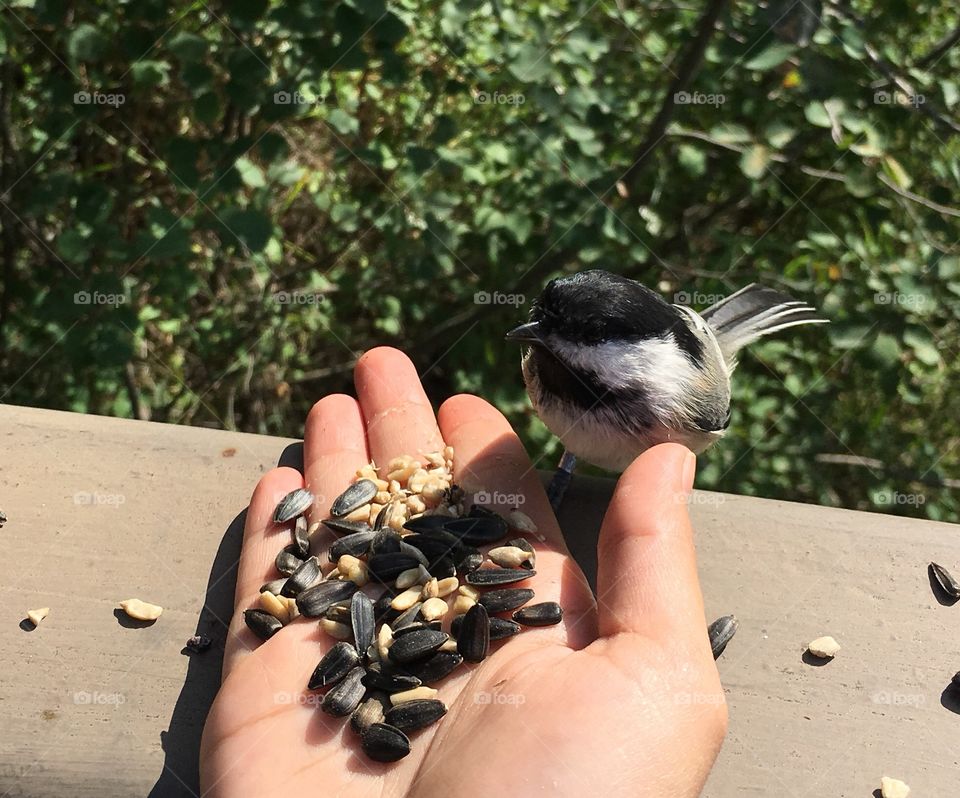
x=355 y=544
x=316 y=600
x=369 y=712
x=295 y=503
x=721 y=632
x=416 y=694
x=473 y=638
x=383 y=743
x=345 y=696
x=287 y=561
x=141 y=610
x=893 y=788
x=362 y=620
x=416 y=645
x=333 y=666
x=358 y=494
x=498 y=576
x=262 y=623
x=824 y=647
x=546 y=613
x=343 y=527
x=198 y=643
x=35 y=616
x=302 y=578
x=945 y=581
x=418 y=714
x=507 y=599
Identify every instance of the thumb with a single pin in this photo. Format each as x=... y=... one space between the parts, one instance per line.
x=647 y=571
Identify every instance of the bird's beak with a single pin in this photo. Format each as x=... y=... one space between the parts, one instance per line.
x=525 y=332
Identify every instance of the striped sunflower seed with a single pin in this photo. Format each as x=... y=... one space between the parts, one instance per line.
x=383 y=743
x=305 y=575
x=546 y=613
x=510 y=598
x=500 y=628
x=316 y=600
x=416 y=645
x=275 y=586
x=432 y=669
x=362 y=620
x=425 y=523
x=355 y=544
x=343 y=527
x=408 y=617
x=498 y=576
x=377 y=679
x=287 y=561
x=945 y=581
x=387 y=567
x=412 y=715
x=333 y=666
x=386 y=541
x=295 y=503
x=369 y=712
x=301 y=540
x=261 y=623
x=473 y=640
x=358 y=494
x=345 y=696
x=721 y=632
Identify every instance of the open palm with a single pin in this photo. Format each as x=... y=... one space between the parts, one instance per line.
x=623 y=695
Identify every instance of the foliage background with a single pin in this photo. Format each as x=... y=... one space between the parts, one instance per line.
x=440 y=149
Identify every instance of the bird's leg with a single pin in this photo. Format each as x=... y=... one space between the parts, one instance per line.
x=557 y=488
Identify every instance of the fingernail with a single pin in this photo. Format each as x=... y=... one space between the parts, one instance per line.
x=689 y=472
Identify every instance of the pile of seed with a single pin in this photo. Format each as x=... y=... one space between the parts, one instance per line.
x=410 y=536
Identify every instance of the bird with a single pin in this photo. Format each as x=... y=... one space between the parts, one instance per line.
x=612 y=368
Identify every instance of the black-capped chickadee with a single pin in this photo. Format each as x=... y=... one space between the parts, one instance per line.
x=613 y=369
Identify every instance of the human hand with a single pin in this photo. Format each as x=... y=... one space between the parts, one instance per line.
x=622 y=697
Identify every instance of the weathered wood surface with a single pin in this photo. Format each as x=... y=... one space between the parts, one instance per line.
x=103 y=509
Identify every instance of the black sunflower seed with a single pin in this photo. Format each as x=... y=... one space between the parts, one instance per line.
x=345 y=696
x=275 y=586
x=382 y=611
x=432 y=669
x=287 y=561
x=261 y=623
x=342 y=527
x=295 y=503
x=390 y=682
x=426 y=522
x=546 y=613
x=339 y=612
x=358 y=494
x=355 y=544
x=316 y=600
x=412 y=627
x=302 y=578
x=431 y=547
x=198 y=643
x=301 y=542
x=381 y=518
x=362 y=621
x=510 y=598
x=419 y=644
x=412 y=551
x=407 y=617
x=500 y=628
x=383 y=743
x=369 y=712
x=955 y=681
x=470 y=560
x=478 y=531
x=721 y=632
x=945 y=581
x=479 y=511
x=387 y=567
x=442 y=568
x=473 y=641
x=335 y=664
x=412 y=715
x=485 y=577
x=385 y=541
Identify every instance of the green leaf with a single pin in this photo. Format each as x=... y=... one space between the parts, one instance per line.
x=896 y=172
x=86 y=43
x=692 y=159
x=250 y=173
x=729 y=133
x=922 y=344
x=753 y=162
x=342 y=122
x=148 y=74
x=250 y=227
x=188 y=46
x=772 y=56
x=530 y=62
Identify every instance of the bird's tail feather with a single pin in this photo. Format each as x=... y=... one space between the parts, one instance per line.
x=751 y=313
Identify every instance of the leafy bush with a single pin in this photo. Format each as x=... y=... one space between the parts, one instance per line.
x=210 y=209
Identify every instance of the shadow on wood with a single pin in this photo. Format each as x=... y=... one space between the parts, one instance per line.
x=181 y=740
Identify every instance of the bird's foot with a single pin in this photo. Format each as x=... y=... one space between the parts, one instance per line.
x=557 y=488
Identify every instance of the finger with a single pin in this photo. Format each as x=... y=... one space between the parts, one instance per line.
x=334 y=447
x=262 y=539
x=398 y=414
x=488 y=456
x=647 y=572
